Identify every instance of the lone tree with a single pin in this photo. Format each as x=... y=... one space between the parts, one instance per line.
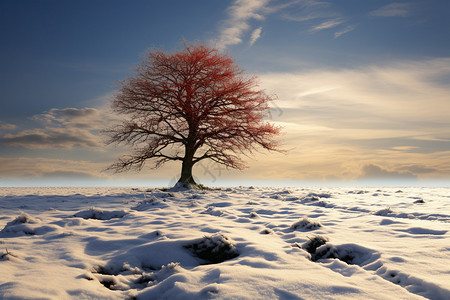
x=190 y=105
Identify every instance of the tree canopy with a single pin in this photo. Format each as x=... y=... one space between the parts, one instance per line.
x=190 y=105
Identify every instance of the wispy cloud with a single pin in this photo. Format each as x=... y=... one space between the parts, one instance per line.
x=306 y=10
x=347 y=29
x=323 y=13
x=376 y=172
x=35 y=167
x=7 y=127
x=256 y=34
x=327 y=25
x=51 y=138
x=393 y=10
x=62 y=128
x=240 y=14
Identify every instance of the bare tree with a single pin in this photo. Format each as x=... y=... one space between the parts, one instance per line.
x=190 y=105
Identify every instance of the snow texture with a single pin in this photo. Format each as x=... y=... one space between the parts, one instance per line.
x=225 y=243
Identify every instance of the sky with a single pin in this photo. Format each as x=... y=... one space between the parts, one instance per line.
x=363 y=87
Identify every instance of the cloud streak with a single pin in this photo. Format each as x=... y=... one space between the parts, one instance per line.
x=371 y=172
x=63 y=128
x=52 y=138
x=347 y=29
x=37 y=167
x=256 y=34
x=327 y=25
x=393 y=10
x=7 y=127
x=307 y=10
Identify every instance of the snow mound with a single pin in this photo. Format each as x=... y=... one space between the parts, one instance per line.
x=316 y=196
x=254 y=215
x=315 y=199
x=150 y=203
x=24 y=224
x=213 y=212
x=383 y=212
x=388 y=212
x=213 y=249
x=99 y=214
x=305 y=224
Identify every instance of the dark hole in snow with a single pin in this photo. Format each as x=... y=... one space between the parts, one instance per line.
x=315 y=242
x=149 y=268
x=419 y=201
x=349 y=253
x=112 y=278
x=108 y=283
x=254 y=215
x=330 y=251
x=213 y=249
x=266 y=231
x=102 y=270
x=144 y=279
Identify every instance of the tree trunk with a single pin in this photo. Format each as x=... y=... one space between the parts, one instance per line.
x=186 y=174
x=186 y=178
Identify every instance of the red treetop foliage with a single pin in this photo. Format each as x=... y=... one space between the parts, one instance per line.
x=196 y=99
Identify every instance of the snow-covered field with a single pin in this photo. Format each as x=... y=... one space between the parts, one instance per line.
x=228 y=243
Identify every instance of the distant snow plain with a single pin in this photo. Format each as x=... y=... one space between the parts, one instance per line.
x=263 y=243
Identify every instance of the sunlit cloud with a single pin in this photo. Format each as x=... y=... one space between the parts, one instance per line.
x=7 y=127
x=371 y=172
x=240 y=14
x=347 y=29
x=49 y=138
x=256 y=34
x=73 y=117
x=36 y=167
x=393 y=10
x=418 y=169
x=327 y=25
x=63 y=128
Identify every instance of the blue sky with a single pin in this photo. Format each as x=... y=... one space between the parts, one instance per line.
x=363 y=86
